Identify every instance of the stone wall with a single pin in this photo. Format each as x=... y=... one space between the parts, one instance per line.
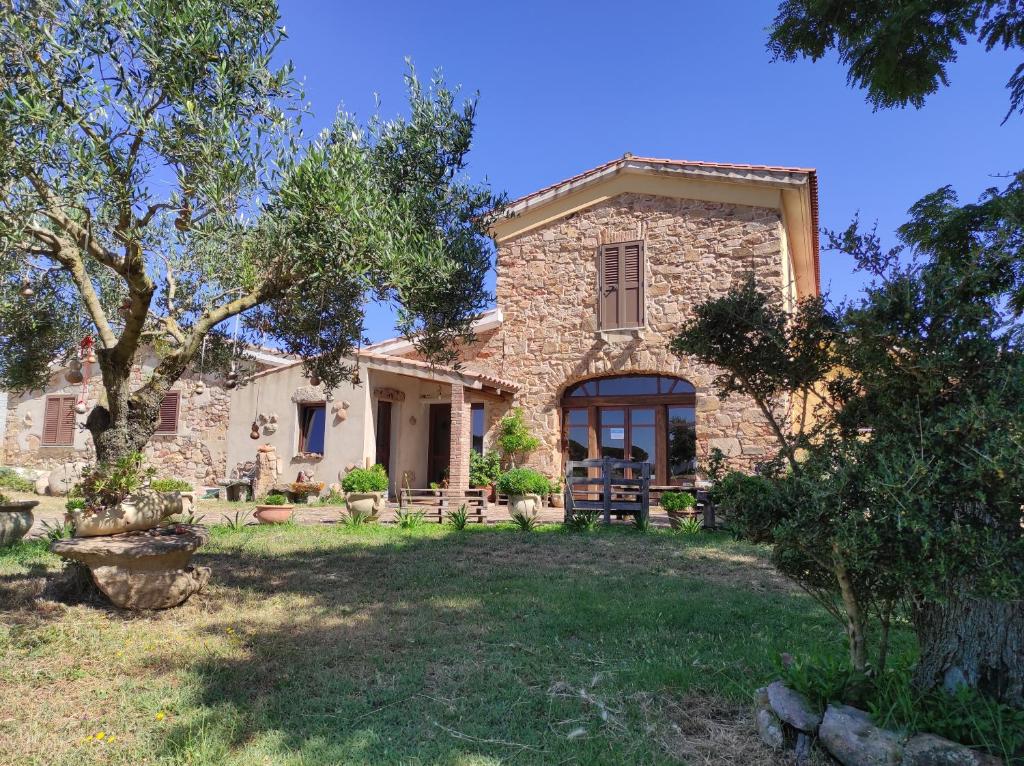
x=547 y=291
x=196 y=453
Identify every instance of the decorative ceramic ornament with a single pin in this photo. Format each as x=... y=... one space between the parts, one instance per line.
x=200 y=388
x=80 y=407
x=26 y=288
x=314 y=380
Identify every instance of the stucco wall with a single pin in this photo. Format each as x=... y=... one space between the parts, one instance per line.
x=275 y=394
x=547 y=291
x=195 y=453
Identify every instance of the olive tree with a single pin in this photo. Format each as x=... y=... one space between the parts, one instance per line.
x=155 y=184
x=903 y=484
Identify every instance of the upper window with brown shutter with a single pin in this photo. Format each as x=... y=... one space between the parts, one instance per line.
x=59 y=421
x=168 y=423
x=621 y=285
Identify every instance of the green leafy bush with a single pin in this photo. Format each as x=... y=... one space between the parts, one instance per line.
x=58 y=530
x=410 y=518
x=484 y=469
x=74 y=504
x=823 y=680
x=689 y=526
x=641 y=522
x=274 y=500
x=523 y=481
x=514 y=437
x=363 y=480
x=524 y=522
x=354 y=518
x=966 y=716
x=332 y=498
x=677 y=501
x=170 y=485
x=752 y=504
x=237 y=523
x=584 y=521
x=4 y=499
x=10 y=479
x=107 y=484
x=458 y=517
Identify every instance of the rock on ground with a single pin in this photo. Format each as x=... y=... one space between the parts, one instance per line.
x=933 y=750
x=64 y=477
x=852 y=739
x=792 y=707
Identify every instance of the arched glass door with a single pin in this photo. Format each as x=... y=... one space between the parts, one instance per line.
x=641 y=418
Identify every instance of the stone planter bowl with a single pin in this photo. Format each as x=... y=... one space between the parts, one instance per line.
x=527 y=505
x=273 y=514
x=371 y=503
x=141 y=511
x=15 y=521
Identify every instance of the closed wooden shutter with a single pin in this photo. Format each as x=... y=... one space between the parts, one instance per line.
x=168 y=423
x=59 y=421
x=621 y=301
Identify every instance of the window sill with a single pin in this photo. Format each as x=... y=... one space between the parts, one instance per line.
x=308 y=457
x=620 y=333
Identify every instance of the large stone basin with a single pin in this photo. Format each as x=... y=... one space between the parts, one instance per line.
x=142 y=570
x=15 y=520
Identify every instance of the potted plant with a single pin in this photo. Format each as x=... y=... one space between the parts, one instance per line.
x=484 y=470
x=366 y=490
x=275 y=509
x=116 y=499
x=303 y=489
x=678 y=506
x=525 y=489
x=555 y=497
x=514 y=437
x=15 y=519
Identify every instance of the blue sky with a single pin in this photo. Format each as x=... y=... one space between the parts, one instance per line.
x=567 y=86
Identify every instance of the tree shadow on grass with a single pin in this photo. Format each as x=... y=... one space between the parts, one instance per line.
x=460 y=649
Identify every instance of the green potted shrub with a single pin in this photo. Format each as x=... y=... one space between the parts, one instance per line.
x=555 y=497
x=678 y=506
x=15 y=519
x=484 y=470
x=514 y=437
x=366 y=491
x=275 y=509
x=525 y=489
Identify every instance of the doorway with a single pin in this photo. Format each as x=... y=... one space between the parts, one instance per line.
x=439 y=443
x=383 y=453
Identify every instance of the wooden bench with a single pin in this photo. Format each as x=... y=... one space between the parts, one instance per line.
x=437 y=503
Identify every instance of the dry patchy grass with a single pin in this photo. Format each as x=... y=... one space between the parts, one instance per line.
x=326 y=645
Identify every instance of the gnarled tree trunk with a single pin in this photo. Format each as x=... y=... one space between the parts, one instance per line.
x=129 y=419
x=974 y=641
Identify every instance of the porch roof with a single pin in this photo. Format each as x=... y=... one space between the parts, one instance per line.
x=415 y=368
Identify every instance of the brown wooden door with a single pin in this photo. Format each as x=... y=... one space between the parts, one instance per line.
x=439 y=442
x=384 y=435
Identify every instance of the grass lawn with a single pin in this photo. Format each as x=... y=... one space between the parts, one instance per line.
x=325 y=645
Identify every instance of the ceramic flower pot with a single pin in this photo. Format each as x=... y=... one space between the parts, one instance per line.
x=15 y=520
x=143 y=510
x=526 y=505
x=273 y=514
x=370 y=503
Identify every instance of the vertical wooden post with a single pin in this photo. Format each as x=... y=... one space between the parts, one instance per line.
x=606 y=471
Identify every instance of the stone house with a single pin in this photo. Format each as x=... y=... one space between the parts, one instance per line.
x=42 y=429
x=595 y=275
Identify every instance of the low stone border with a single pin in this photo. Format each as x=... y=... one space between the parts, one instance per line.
x=786 y=721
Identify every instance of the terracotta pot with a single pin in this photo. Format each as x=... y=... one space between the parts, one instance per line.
x=15 y=521
x=556 y=500
x=143 y=510
x=527 y=505
x=273 y=514
x=675 y=517
x=371 y=503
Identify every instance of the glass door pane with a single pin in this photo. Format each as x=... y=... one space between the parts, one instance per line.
x=612 y=435
x=577 y=437
x=642 y=436
x=682 y=442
